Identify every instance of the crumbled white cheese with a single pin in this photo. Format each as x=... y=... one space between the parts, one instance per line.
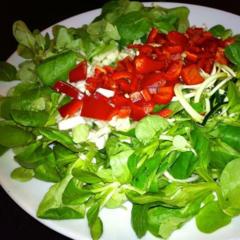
x=81 y=85
x=70 y=123
x=120 y=124
x=105 y=92
x=99 y=137
x=106 y=58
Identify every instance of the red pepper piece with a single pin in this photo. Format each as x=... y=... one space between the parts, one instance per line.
x=194 y=49
x=164 y=95
x=192 y=57
x=124 y=85
x=142 y=48
x=123 y=112
x=174 y=49
x=161 y=38
x=206 y=62
x=128 y=63
x=144 y=64
x=198 y=37
x=152 y=35
x=191 y=75
x=146 y=95
x=119 y=100
x=137 y=112
x=107 y=82
x=68 y=89
x=97 y=106
x=79 y=72
x=220 y=57
x=108 y=69
x=228 y=41
x=177 y=38
x=153 y=81
x=121 y=75
x=165 y=113
x=174 y=71
x=147 y=106
x=70 y=108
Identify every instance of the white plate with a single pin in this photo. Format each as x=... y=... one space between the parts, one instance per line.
x=116 y=222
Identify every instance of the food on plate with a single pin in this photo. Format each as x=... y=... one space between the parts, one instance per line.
x=137 y=106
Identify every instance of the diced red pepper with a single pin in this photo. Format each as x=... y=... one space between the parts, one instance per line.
x=174 y=71
x=68 y=89
x=220 y=57
x=153 y=81
x=123 y=112
x=192 y=57
x=71 y=108
x=137 y=112
x=191 y=75
x=228 y=41
x=161 y=38
x=121 y=75
x=79 y=72
x=152 y=35
x=165 y=113
x=164 y=95
x=177 y=38
x=124 y=85
x=197 y=36
x=144 y=64
x=206 y=62
x=108 y=69
x=147 y=106
x=194 y=49
x=174 y=49
x=146 y=94
x=119 y=100
x=97 y=106
x=143 y=48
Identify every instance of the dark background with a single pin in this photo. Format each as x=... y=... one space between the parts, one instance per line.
x=15 y=223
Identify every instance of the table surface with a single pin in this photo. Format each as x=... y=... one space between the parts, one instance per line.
x=14 y=221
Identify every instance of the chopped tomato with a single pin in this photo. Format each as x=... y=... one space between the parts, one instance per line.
x=71 y=108
x=191 y=75
x=79 y=72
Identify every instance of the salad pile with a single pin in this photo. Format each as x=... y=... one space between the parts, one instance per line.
x=136 y=106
